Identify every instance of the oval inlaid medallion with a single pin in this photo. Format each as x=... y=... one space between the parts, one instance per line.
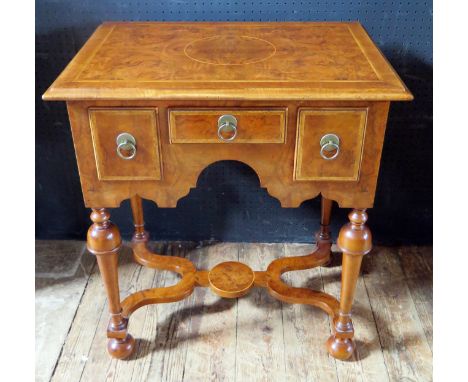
x=229 y=50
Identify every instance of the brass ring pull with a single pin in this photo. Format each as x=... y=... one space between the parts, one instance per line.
x=126 y=146
x=329 y=143
x=227 y=128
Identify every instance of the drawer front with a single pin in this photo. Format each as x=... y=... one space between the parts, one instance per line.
x=140 y=158
x=319 y=133
x=251 y=126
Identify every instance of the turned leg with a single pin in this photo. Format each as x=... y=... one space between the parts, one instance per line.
x=137 y=210
x=354 y=240
x=324 y=233
x=104 y=241
x=323 y=236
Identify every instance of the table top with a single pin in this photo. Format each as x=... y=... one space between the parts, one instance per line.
x=235 y=60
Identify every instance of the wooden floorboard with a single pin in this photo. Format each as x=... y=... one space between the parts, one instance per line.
x=367 y=362
x=62 y=272
x=212 y=353
x=260 y=351
x=167 y=343
x=404 y=344
x=306 y=328
x=416 y=263
x=257 y=338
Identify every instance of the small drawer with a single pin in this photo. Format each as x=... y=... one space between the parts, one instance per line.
x=227 y=126
x=126 y=143
x=329 y=144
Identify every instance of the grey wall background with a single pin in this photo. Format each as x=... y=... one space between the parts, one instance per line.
x=228 y=203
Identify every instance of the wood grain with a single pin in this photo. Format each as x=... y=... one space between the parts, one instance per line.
x=104 y=241
x=306 y=328
x=355 y=241
x=201 y=126
x=402 y=338
x=273 y=163
x=231 y=279
x=282 y=60
x=212 y=357
x=416 y=263
x=84 y=345
x=349 y=125
x=106 y=124
x=131 y=277
x=154 y=66
x=262 y=354
x=167 y=343
x=167 y=333
x=367 y=362
x=289 y=84
x=173 y=293
x=280 y=290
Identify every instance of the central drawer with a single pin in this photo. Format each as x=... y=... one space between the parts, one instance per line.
x=227 y=125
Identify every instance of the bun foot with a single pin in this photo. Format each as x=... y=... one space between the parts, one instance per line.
x=121 y=349
x=340 y=348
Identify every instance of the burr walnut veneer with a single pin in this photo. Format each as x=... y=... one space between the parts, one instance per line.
x=303 y=104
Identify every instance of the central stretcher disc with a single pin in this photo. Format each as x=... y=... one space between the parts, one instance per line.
x=231 y=279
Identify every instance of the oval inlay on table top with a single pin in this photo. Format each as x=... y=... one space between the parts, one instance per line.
x=229 y=50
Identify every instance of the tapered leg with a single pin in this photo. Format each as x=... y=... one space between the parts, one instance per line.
x=104 y=241
x=137 y=210
x=354 y=240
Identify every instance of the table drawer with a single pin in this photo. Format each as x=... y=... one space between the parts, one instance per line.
x=330 y=143
x=126 y=143
x=238 y=126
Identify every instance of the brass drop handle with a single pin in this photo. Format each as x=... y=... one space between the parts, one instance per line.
x=126 y=146
x=227 y=128
x=329 y=143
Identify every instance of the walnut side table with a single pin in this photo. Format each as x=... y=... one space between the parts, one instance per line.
x=304 y=105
